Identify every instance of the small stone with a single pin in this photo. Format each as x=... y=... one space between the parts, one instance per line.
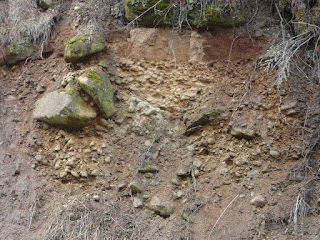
x=183 y=173
x=122 y=186
x=258 y=201
x=96 y=172
x=176 y=181
x=63 y=174
x=253 y=174
x=224 y=171
x=107 y=159
x=137 y=202
x=274 y=153
x=74 y=173
x=211 y=141
x=197 y=163
x=57 y=148
x=96 y=197
x=179 y=194
x=149 y=169
x=242 y=133
x=83 y=173
x=161 y=206
x=135 y=187
x=71 y=162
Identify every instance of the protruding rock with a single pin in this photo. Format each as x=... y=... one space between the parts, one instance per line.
x=243 y=133
x=65 y=109
x=258 y=201
x=161 y=206
x=80 y=47
x=19 y=50
x=204 y=115
x=96 y=83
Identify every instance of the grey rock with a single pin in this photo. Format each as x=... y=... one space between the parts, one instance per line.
x=258 y=201
x=161 y=206
x=64 y=109
x=137 y=202
x=242 y=133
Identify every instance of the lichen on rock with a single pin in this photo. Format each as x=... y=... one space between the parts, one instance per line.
x=80 y=47
x=96 y=83
x=19 y=50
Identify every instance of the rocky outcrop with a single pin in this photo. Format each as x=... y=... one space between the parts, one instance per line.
x=65 y=109
x=95 y=82
x=157 y=13
x=80 y=47
x=18 y=51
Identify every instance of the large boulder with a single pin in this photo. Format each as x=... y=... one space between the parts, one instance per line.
x=95 y=82
x=65 y=109
x=19 y=50
x=80 y=47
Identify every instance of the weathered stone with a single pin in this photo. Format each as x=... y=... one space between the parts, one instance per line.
x=137 y=202
x=274 y=153
x=96 y=83
x=65 y=109
x=204 y=116
x=136 y=187
x=242 y=133
x=45 y=4
x=258 y=201
x=148 y=169
x=80 y=47
x=161 y=206
x=19 y=50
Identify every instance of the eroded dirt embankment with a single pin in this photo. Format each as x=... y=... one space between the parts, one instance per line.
x=197 y=111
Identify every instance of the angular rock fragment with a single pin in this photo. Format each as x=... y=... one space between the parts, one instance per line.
x=65 y=109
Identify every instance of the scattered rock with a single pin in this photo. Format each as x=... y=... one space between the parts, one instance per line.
x=96 y=197
x=253 y=174
x=64 y=109
x=135 y=187
x=149 y=169
x=242 y=133
x=161 y=206
x=137 y=202
x=258 y=201
x=274 y=153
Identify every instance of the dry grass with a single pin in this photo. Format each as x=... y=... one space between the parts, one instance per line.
x=83 y=222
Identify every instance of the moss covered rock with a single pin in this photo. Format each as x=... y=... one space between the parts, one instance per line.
x=19 y=50
x=45 y=4
x=221 y=16
x=80 y=47
x=156 y=16
x=96 y=83
x=65 y=109
x=154 y=13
